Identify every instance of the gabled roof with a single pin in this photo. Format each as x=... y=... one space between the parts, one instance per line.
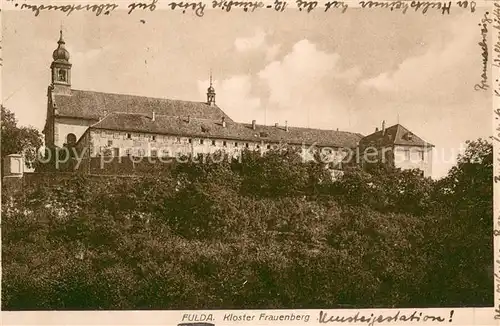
x=206 y=128
x=91 y=105
x=394 y=135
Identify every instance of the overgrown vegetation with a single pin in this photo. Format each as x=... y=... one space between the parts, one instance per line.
x=16 y=139
x=268 y=232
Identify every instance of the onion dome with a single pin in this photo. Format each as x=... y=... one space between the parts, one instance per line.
x=211 y=89
x=60 y=54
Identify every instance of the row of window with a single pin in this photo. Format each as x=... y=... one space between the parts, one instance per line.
x=413 y=155
x=200 y=141
x=224 y=144
x=142 y=151
x=154 y=138
x=190 y=141
x=178 y=140
x=115 y=151
x=214 y=142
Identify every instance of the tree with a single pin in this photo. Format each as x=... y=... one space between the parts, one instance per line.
x=17 y=139
x=465 y=200
x=277 y=173
x=386 y=189
x=469 y=185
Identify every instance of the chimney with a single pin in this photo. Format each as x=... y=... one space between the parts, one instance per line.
x=253 y=124
x=383 y=127
x=154 y=116
x=376 y=129
x=223 y=122
x=189 y=119
x=103 y=114
x=286 y=125
x=276 y=124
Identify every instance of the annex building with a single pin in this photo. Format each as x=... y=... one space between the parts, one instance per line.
x=124 y=125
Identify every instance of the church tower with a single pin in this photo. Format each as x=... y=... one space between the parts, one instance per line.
x=211 y=93
x=61 y=68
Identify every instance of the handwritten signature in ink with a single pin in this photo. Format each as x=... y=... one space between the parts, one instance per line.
x=483 y=84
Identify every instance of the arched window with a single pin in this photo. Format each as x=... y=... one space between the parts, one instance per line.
x=71 y=139
x=62 y=75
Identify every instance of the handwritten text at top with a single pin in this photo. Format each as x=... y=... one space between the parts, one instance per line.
x=198 y=7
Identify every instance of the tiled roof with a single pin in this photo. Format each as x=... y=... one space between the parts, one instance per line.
x=205 y=128
x=91 y=105
x=394 y=135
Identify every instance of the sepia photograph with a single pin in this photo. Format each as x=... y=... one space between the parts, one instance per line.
x=159 y=160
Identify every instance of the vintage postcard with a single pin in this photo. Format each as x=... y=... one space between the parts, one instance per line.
x=222 y=162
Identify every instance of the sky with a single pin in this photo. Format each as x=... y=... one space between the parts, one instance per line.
x=329 y=70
